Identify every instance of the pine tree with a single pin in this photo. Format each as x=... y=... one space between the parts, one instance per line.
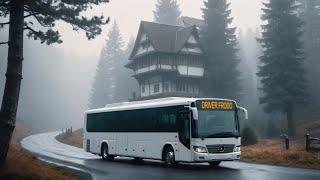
x=104 y=86
x=126 y=85
x=38 y=19
x=222 y=76
x=250 y=51
x=167 y=12
x=310 y=14
x=282 y=74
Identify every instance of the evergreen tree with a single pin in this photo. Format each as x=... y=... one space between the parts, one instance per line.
x=104 y=86
x=222 y=76
x=167 y=12
x=23 y=16
x=250 y=51
x=126 y=85
x=281 y=71
x=310 y=14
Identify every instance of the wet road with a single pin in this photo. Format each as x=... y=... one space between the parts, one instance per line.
x=47 y=148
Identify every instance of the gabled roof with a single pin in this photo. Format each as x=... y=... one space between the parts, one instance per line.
x=165 y=38
x=190 y=21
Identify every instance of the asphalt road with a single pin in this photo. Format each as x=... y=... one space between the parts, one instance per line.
x=48 y=149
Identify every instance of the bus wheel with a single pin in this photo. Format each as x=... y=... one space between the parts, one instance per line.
x=104 y=153
x=169 y=158
x=214 y=163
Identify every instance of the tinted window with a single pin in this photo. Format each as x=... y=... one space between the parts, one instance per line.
x=142 y=120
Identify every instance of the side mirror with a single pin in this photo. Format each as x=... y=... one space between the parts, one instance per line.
x=244 y=111
x=194 y=113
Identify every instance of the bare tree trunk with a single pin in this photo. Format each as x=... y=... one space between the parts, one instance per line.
x=13 y=77
x=291 y=123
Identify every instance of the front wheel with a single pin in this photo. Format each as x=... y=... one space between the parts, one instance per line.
x=214 y=163
x=169 y=158
x=104 y=153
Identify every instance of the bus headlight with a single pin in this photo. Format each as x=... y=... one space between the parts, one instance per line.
x=199 y=149
x=237 y=149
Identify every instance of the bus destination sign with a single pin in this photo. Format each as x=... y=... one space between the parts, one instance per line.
x=215 y=105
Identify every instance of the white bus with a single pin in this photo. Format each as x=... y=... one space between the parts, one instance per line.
x=169 y=129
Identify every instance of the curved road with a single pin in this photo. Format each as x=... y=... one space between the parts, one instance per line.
x=48 y=149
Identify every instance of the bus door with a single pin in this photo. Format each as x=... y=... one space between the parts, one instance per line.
x=184 y=136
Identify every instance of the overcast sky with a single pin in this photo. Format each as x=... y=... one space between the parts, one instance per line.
x=58 y=78
x=129 y=13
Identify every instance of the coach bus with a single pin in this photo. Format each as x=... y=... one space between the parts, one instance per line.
x=169 y=129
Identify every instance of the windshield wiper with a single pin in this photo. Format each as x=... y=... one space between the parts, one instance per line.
x=222 y=134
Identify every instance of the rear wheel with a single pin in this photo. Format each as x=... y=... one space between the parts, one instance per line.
x=169 y=157
x=214 y=163
x=137 y=159
x=105 y=153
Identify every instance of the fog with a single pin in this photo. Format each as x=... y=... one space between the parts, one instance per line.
x=57 y=78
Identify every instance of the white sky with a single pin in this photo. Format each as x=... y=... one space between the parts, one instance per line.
x=67 y=70
x=129 y=13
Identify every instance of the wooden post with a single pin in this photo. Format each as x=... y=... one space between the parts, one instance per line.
x=286 y=138
x=307 y=142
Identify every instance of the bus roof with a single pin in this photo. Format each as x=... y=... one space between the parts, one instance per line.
x=153 y=103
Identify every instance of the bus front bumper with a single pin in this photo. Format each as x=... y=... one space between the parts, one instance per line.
x=208 y=157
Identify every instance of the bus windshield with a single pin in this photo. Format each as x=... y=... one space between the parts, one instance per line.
x=215 y=124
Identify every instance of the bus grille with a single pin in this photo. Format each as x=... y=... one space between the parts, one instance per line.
x=220 y=148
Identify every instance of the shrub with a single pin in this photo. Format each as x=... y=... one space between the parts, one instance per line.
x=248 y=136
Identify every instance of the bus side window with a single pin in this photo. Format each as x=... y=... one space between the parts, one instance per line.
x=184 y=130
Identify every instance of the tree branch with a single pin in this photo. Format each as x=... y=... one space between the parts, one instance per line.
x=31 y=14
x=29 y=28
x=2 y=43
x=4 y=23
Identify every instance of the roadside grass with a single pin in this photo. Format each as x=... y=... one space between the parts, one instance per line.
x=75 y=139
x=267 y=151
x=272 y=151
x=21 y=165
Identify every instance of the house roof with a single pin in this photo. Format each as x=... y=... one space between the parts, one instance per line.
x=190 y=21
x=165 y=38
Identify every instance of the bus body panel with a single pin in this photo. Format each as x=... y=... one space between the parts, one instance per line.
x=144 y=145
x=150 y=144
x=215 y=141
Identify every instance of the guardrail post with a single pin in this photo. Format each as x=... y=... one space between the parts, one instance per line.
x=307 y=142
x=286 y=139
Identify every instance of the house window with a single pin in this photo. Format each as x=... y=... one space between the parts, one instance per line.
x=182 y=87
x=166 y=87
x=156 y=88
x=143 y=89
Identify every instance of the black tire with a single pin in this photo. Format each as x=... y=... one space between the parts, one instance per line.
x=214 y=163
x=137 y=159
x=105 y=153
x=169 y=157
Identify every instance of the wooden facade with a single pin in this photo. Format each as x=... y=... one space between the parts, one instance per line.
x=167 y=61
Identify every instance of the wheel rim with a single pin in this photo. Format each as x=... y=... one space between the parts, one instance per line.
x=170 y=157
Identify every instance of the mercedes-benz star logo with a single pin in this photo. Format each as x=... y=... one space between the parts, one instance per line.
x=221 y=148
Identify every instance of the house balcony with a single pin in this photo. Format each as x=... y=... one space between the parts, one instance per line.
x=155 y=69
x=183 y=71
x=166 y=94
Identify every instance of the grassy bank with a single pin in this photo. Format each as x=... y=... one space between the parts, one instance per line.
x=74 y=140
x=21 y=165
x=272 y=151
x=268 y=151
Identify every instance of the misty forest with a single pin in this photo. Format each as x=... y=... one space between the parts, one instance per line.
x=271 y=68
